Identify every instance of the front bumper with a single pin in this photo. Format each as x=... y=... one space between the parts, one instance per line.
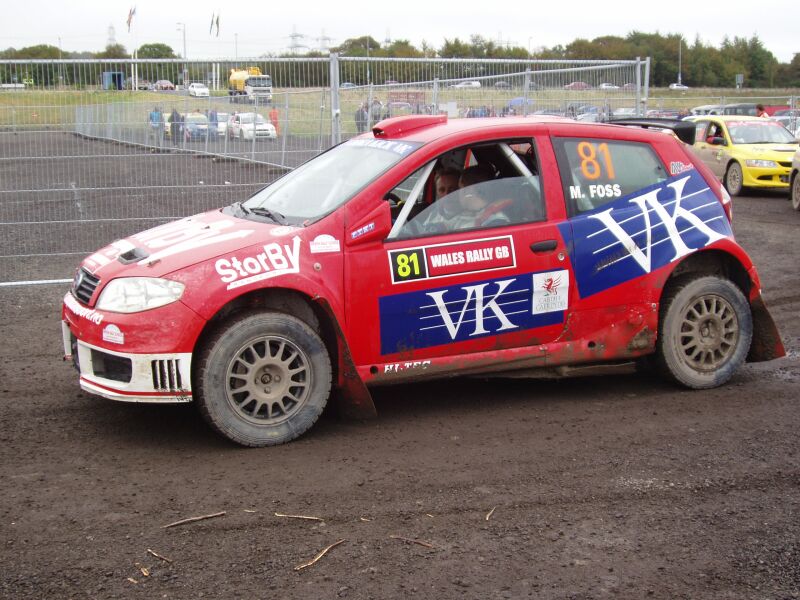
x=773 y=177
x=129 y=377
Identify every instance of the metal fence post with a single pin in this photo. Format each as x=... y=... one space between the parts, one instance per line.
x=526 y=86
x=285 y=128
x=336 y=113
x=435 y=96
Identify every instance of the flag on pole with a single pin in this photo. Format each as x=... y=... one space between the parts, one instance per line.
x=217 y=25
x=211 y=27
x=131 y=13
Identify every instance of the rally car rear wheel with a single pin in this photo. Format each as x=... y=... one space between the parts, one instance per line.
x=733 y=179
x=705 y=331
x=263 y=379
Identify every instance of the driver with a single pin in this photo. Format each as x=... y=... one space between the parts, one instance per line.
x=462 y=209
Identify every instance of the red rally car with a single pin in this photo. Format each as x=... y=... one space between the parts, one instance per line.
x=551 y=247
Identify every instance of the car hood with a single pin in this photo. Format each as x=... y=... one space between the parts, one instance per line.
x=180 y=244
x=765 y=151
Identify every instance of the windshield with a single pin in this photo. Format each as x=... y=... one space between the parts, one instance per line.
x=248 y=118
x=196 y=119
x=264 y=81
x=322 y=184
x=758 y=132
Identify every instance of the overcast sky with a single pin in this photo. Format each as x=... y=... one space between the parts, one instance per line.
x=266 y=27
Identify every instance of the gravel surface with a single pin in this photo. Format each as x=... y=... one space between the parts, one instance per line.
x=615 y=487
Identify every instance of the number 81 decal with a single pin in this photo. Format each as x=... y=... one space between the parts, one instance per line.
x=408 y=264
x=590 y=166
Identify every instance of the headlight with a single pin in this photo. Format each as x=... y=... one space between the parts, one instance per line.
x=135 y=294
x=764 y=164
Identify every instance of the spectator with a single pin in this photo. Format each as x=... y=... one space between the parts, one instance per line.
x=213 y=121
x=760 y=112
x=361 y=117
x=156 y=125
x=274 y=118
x=175 y=126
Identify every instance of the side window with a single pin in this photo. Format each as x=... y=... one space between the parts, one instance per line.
x=595 y=172
x=491 y=185
x=700 y=131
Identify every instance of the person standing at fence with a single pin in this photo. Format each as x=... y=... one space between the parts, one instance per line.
x=274 y=118
x=213 y=122
x=760 y=112
x=361 y=118
x=156 y=123
x=175 y=126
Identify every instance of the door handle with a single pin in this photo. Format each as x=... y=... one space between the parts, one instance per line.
x=545 y=246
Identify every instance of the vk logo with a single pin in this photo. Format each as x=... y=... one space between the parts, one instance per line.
x=459 y=313
x=634 y=236
x=477 y=302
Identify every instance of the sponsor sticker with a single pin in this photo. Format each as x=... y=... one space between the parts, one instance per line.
x=81 y=311
x=274 y=260
x=676 y=168
x=642 y=232
x=462 y=312
x=413 y=365
x=324 y=243
x=113 y=335
x=444 y=260
x=362 y=231
x=550 y=291
x=283 y=230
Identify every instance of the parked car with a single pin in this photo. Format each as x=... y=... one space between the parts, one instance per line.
x=466 y=85
x=584 y=247
x=794 y=186
x=347 y=85
x=745 y=152
x=242 y=126
x=195 y=126
x=222 y=123
x=578 y=85
x=678 y=86
x=707 y=109
x=502 y=85
x=608 y=86
x=163 y=85
x=199 y=90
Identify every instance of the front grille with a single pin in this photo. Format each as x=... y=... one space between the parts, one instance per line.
x=84 y=285
x=110 y=366
x=166 y=375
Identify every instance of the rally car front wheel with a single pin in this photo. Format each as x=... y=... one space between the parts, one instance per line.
x=705 y=331
x=734 y=179
x=263 y=379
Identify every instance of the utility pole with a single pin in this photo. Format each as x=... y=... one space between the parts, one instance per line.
x=236 y=46
x=680 y=49
x=182 y=27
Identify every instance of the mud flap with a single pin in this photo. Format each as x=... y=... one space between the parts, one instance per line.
x=766 y=343
x=353 y=399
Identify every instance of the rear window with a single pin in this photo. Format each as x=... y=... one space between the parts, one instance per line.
x=595 y=172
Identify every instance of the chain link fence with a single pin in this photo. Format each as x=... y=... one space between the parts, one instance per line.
x=92 y=151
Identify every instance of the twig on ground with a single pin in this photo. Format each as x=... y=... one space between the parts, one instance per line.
x=157 y=555
x=132 y=580
x=193 y=519
x=365 y=519
x=318 y=556
x=410 y=541
x=490 y=513
x=306 y=517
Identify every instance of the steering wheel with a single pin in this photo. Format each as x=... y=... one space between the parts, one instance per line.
x=394 y=198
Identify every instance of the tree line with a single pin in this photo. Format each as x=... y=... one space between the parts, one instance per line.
x=701 y=65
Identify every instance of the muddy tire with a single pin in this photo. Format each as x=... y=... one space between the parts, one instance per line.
x=263 y=379
x=734 y=179
x=705 y=331
x=795 y=191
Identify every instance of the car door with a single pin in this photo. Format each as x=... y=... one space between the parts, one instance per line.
x=712 y=154
x=422 y=296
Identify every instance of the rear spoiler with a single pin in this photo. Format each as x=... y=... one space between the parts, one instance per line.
x=684 y=130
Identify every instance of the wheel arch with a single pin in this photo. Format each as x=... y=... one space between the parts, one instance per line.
x=766 y=343
x=352 y=396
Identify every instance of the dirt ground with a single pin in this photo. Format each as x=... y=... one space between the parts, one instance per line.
x=616 y=487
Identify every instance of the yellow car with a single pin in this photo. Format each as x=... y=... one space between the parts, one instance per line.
x=745 y=152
